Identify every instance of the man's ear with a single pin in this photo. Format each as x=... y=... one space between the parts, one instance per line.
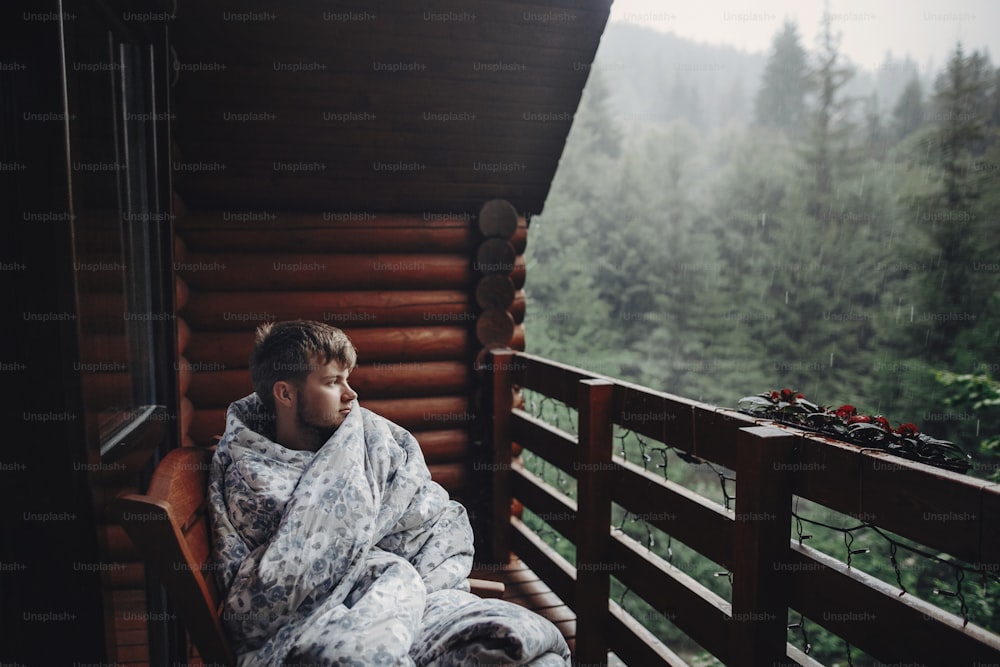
x=284 y=393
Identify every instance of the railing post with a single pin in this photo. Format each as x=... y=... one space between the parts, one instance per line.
x=593 y=521
x=501 y=364
x=760 y=542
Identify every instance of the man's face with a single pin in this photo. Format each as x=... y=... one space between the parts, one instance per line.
x=324 y=400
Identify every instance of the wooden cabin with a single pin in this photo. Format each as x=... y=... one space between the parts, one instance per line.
x=176 y=173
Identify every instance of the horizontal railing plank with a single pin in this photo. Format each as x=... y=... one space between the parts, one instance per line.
x=553 y=379
x=715 y=432
x=802 y=658
x=654 y=414
x=553 y=569
x=634 y=644
x=555 y=446
x=935 y=507
x=551 y=506
x=696 y=610
x=694 y=520
x=989 y=547
x=873 y=616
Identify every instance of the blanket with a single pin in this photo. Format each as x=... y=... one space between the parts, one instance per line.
x=352 y=555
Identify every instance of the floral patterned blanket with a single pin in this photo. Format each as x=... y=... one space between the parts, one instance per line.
x=352 y=555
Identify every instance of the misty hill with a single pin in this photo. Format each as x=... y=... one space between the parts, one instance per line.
x=654 y=77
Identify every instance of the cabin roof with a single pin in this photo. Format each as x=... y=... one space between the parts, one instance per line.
x=388 y=106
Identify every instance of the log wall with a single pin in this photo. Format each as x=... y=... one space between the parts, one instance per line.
x=410 y=291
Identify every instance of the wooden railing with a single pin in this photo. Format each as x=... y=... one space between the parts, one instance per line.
x=771 y=571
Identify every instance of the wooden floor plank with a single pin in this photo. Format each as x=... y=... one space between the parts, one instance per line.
x=525 y=588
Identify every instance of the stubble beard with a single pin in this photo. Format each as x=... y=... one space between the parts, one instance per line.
x=316 y=433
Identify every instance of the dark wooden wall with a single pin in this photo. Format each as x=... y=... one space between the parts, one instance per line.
x=402 y=286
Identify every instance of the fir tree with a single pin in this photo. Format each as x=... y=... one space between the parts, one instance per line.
x=950 y=216
x=908 y=114
x=780 y=103
x=829 y=126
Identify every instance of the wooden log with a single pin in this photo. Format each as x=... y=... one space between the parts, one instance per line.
x=495 y=328
x=519 y=273
x=217 y=389
x=518 y=307
x=520 y=238
x=446 y=445
x=232 y=349
x=438 y=446
x=452 y=476
x=495 y=291
x=180 y=250
x=413 y=414
x=481 y=366
x=495 y=256
x=242 y=311
x=517 y=341
x=181 y=293
x=183 y=335
x=338 y=272
x=178 y=207
x=252 y=187
x=184 y=373
x=326 y=231
x=187 y=413
x=497 y=218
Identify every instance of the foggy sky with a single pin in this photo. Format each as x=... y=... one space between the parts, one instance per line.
x=926 y=29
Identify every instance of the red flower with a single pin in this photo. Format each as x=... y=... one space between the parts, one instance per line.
x=787 y=395
x=883 y=422
x=775 y=396
x=859 y=419
x=846 y=411
x=907 y=429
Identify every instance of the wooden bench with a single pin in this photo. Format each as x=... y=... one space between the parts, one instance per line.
x=170 y=527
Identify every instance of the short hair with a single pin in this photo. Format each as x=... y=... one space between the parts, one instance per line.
x=289 y=351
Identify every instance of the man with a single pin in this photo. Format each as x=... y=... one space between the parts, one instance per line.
x=332 y=544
